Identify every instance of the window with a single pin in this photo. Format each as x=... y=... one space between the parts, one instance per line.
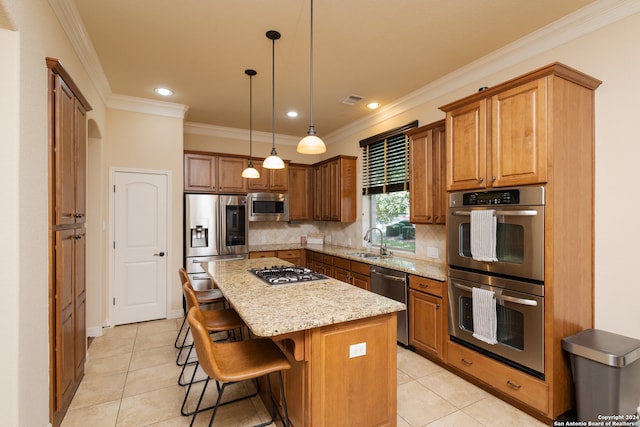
x=385 y=188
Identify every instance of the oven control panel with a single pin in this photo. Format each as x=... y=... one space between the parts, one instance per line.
x=499 y=197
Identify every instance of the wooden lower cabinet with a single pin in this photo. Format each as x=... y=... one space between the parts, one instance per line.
x=504 y=379
x=352 y=272
x=327 y=388
x=427 y=316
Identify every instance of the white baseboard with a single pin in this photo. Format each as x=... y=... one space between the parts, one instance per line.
x=175 y=314
x=94 y=331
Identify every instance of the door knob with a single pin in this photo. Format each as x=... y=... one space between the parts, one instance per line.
x=159 y=254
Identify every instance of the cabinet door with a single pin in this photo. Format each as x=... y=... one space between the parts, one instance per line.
x=425 y=330
x=466 y=147
x=80 y=180
x=80 y=298
x=300 y=193
x=200 y=173
x=361 y=281
x=64 y=322
x=519 y=135
x=342 y=274
x=262 y=183
x=439 y=174
x=421 y=194
x=319 y=192
x=230 y=178
x=64 y=154
x=279 y=179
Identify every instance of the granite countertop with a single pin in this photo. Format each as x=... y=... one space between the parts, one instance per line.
x=270 y=310
x=435 y=270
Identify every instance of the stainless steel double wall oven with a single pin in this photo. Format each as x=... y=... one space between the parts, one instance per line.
x=516 y=278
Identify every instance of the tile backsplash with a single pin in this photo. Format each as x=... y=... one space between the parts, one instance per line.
x=429 y=238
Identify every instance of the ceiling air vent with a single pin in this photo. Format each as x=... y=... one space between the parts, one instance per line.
x=352 y=99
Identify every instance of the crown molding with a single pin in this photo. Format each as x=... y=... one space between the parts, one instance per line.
x=148 y=106
x=583 y=21
x=69 y=18
x=194 y=128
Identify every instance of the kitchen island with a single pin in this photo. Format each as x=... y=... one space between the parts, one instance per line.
x=340 y=340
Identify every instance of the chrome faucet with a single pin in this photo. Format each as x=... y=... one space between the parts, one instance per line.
x=383 y=245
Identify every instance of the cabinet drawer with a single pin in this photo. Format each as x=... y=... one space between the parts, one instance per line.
x=327 y=259
x=422 y=284
x=342 y=263
x=291 y=253
x=262 y=254
x=360 y=268
x=527 y=389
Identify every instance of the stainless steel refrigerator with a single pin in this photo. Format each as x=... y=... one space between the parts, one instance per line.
x=216 y=227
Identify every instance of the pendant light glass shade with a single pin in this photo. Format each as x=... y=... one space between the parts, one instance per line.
x=273 y=161
x=311 y=144
x=250 y=171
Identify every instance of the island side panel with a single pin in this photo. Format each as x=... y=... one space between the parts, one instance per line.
x=354 y=391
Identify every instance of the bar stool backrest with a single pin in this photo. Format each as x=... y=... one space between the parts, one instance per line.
x=204 y=344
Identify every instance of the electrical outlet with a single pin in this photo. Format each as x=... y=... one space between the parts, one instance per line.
x=357 y=350
x=432 y=252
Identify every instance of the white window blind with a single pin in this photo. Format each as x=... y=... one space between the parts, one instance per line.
x=385 y=161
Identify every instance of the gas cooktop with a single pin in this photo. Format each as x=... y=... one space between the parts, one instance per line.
x=277 y=275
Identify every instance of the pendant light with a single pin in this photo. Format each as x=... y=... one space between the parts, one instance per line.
x=273 y=161
x=250 y=171
x=311 y=144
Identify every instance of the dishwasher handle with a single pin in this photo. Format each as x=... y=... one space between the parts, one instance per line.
x=390 y=277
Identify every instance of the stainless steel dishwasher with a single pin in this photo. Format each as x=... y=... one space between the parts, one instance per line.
x=393 y=284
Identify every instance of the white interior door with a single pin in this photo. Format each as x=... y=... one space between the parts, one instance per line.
x=140 y=246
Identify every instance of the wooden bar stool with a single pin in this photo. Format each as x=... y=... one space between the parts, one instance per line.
x=223 y=320
x=231 y=362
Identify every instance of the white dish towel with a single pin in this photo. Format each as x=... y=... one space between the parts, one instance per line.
x=485 y=319
x=482 y=232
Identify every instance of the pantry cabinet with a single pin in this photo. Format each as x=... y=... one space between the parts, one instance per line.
x=428 y=195
x=67 y=238
x=500 y=140
x=427 y=316
x=335 y=190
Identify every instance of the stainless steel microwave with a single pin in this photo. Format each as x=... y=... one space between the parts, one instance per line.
x=268 y=206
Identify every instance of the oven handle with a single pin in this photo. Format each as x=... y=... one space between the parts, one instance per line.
x=500 y=213
x=515 y=300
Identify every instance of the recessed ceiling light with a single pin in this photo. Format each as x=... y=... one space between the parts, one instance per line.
x=292 y=114
x=163 y=91
x=373 y=105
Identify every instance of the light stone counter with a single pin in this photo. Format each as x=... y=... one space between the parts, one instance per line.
x=432 y=269
x=270 y=310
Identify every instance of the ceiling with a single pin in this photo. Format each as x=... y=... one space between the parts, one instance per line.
x=380 y=50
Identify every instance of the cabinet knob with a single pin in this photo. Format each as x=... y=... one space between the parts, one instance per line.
x=480 y=179
x=493 y=179
x=428 y=216
x=437 y=306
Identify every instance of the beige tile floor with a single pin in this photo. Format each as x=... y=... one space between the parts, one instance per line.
x=131 y=380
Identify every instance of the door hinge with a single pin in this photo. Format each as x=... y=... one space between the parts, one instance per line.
x=114 y=188
x=114 y=301
x=114 y=244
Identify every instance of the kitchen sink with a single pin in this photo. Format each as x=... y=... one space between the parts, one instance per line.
x=366 y=255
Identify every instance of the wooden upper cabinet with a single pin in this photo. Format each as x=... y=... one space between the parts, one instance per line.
x=519 y=135
x=70 y=150
x=335 y=190
x=466 y=146
x=230 y=178
x=428 y=195
x=300 y=192
x=499 y=140
x=270 y=179
x=200 y=172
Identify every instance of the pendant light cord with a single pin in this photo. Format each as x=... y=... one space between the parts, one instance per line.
x=250 y=120
x=273 y=95
x=312 y=129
